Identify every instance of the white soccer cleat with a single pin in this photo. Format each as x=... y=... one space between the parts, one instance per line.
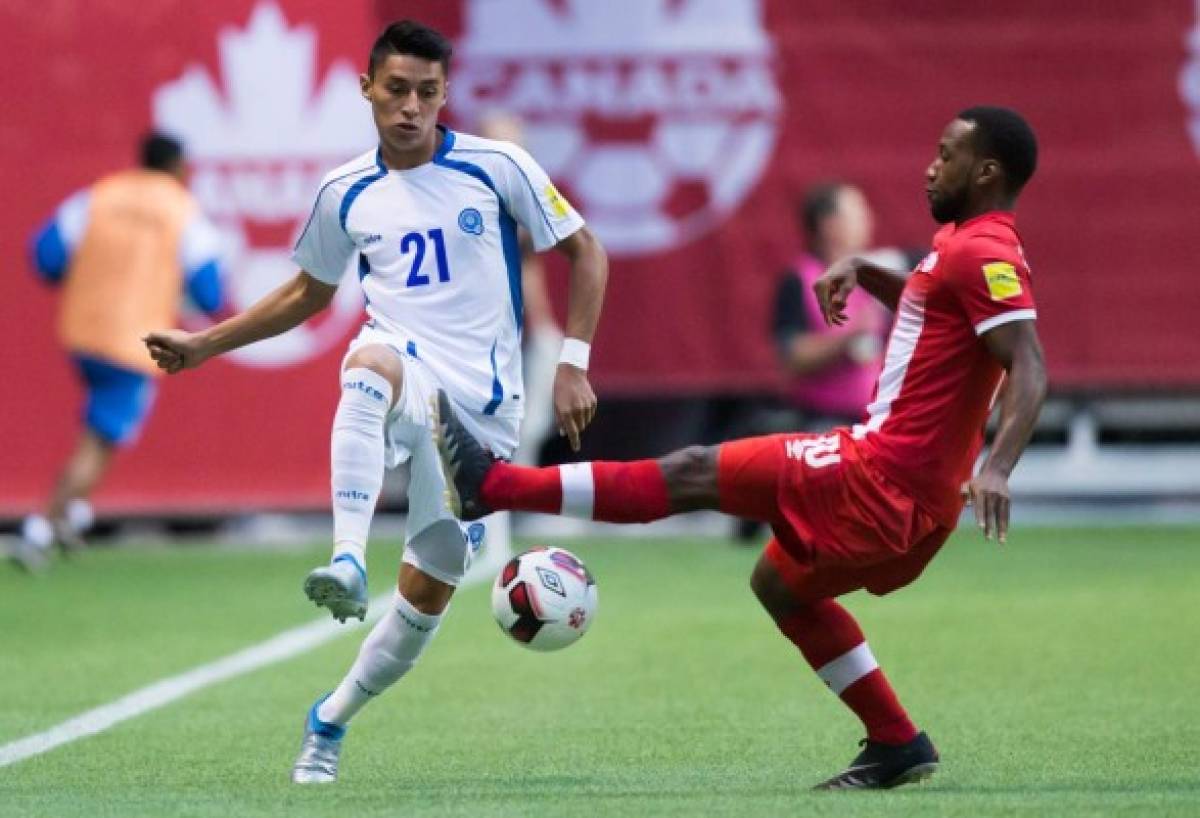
x=319 y=750
x=340 y=586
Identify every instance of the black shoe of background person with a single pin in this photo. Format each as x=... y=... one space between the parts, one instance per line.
x=883 y=766
x=465 y=462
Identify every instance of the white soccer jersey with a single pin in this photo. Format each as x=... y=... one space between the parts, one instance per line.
x=438 y=256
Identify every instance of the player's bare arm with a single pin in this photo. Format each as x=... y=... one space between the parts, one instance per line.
x=834 y=287
x=1016 y=346
x=574 y=400
x=286 y=307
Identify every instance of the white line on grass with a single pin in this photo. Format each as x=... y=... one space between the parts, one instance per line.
x=276 y=649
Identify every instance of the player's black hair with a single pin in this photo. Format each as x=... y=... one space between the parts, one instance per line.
x=1004 y=135
x=161 y=152
x=819 y=202
x=413 y=38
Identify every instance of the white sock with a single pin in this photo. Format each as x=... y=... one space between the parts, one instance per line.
x=80 y=515
x=388 y=652
x=356 y=456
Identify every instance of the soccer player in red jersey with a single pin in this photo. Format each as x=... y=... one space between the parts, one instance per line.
x=867 y=506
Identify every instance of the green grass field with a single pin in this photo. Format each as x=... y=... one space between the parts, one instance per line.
x=1059 y=676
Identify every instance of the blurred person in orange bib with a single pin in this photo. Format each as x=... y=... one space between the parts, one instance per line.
x=124 y=251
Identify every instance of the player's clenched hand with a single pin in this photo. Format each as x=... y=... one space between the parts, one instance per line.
x=175 y=349
x=833 y=290
x=988 y=492
x=574 y=402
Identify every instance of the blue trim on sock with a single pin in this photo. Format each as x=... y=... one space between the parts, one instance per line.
x=350 y=559
x=323 y=728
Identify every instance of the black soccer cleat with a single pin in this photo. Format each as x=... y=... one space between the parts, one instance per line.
x=883 y=766
x=465 y=462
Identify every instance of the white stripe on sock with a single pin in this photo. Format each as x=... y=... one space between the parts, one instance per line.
x=578 y=491
x=848 y=668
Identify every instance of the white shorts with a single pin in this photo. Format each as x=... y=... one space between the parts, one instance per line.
x=435 y=541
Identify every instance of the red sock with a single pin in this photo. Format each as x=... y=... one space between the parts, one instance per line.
x=520 y=488
x=633 y=492
x=833 y=644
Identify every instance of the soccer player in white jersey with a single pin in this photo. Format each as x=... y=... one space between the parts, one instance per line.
x=428 y=221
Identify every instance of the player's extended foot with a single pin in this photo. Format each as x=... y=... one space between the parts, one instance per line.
x=340 y=586
x=465 y=462
x=319 y=750
x=883 y=766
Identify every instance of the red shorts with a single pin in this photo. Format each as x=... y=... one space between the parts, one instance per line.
x=839 y=523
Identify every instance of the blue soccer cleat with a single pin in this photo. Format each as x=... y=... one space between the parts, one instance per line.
x=340 y=586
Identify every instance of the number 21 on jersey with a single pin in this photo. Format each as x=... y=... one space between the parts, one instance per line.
x=415 y=243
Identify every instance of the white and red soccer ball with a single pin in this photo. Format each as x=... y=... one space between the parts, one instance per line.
x=545 y=598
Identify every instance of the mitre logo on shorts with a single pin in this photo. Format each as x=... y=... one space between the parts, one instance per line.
x=657 y=117
x=1189 y=82
x=261 y=133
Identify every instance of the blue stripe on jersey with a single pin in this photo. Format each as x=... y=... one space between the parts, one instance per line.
x=497 y=389
x=512 y=260
x=364 y=270
x=361 y=185
x=317 y=199
x=524 y=176
x=508 y=225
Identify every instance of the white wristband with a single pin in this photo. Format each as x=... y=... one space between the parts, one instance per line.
x=576 y=353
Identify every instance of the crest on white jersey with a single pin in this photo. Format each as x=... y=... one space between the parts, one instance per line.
x=657 y=116
x=1189 y=81
x=260 y=136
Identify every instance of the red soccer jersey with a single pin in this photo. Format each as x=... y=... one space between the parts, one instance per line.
x=924 y=427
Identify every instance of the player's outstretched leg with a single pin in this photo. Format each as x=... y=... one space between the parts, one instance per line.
x=637 y=491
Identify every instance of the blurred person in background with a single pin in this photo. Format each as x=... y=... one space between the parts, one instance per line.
x=831 y=370
x=543 y=336
x=124 y=252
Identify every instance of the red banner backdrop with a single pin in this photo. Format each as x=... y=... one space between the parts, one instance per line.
x=683 y=129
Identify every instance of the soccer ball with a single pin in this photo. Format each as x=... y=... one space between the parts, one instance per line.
x=545 y=599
